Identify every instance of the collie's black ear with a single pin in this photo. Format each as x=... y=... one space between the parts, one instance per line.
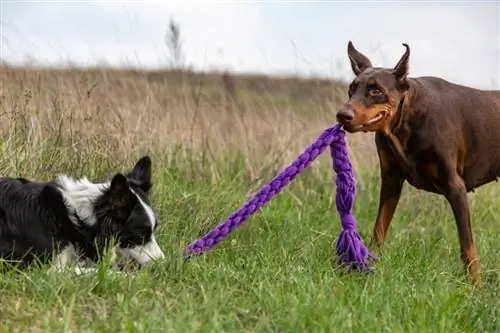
x=118 y=193
x=141 y=173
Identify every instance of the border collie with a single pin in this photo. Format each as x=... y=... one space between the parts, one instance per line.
x=71 y=221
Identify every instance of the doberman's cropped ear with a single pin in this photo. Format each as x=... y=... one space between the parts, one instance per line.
x=359 y=62
x=402 y=68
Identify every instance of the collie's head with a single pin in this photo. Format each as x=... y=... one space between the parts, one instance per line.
x=119 y=210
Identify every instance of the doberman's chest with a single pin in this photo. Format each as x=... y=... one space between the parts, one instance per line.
x=418 y=166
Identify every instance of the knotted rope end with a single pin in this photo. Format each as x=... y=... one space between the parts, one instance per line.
x=350 y=249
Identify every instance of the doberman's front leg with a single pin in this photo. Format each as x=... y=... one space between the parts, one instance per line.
x=456 y=194
x=390 y=193
x=390 y=190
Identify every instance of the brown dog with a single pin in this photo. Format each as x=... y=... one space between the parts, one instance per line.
x=441 y=137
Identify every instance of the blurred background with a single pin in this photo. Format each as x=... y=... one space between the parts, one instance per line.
x=455 y=39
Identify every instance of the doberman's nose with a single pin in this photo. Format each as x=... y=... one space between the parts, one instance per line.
x=345 y=115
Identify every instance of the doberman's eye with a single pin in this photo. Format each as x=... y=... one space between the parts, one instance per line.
x=374 y=91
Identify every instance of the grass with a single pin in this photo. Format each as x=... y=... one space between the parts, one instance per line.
x=275 y=273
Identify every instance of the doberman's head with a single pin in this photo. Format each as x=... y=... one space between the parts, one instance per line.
x=375 y=93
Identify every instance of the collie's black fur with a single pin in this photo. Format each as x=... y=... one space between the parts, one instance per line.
x=67 y=220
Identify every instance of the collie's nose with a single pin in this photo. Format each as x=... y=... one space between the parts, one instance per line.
x=345 y=116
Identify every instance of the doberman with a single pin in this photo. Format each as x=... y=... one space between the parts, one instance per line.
x=439 y=136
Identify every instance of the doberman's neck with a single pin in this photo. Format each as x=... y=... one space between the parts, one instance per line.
x=400 y=124
x=399 y=130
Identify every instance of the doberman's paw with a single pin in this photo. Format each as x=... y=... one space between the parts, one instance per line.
x=474 y=272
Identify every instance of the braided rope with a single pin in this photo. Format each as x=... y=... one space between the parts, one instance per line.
x=349 y=247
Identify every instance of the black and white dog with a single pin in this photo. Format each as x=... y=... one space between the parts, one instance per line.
x=70 y=221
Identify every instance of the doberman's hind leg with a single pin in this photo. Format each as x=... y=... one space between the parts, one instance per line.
x=456 y=194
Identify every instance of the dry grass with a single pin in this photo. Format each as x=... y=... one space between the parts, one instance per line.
x=114 y=115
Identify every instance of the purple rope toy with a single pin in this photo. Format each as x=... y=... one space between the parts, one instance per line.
x=350 y=249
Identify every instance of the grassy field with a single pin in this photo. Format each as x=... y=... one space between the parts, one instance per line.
x=214 y=141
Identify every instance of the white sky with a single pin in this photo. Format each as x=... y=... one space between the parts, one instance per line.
x=457 y=40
